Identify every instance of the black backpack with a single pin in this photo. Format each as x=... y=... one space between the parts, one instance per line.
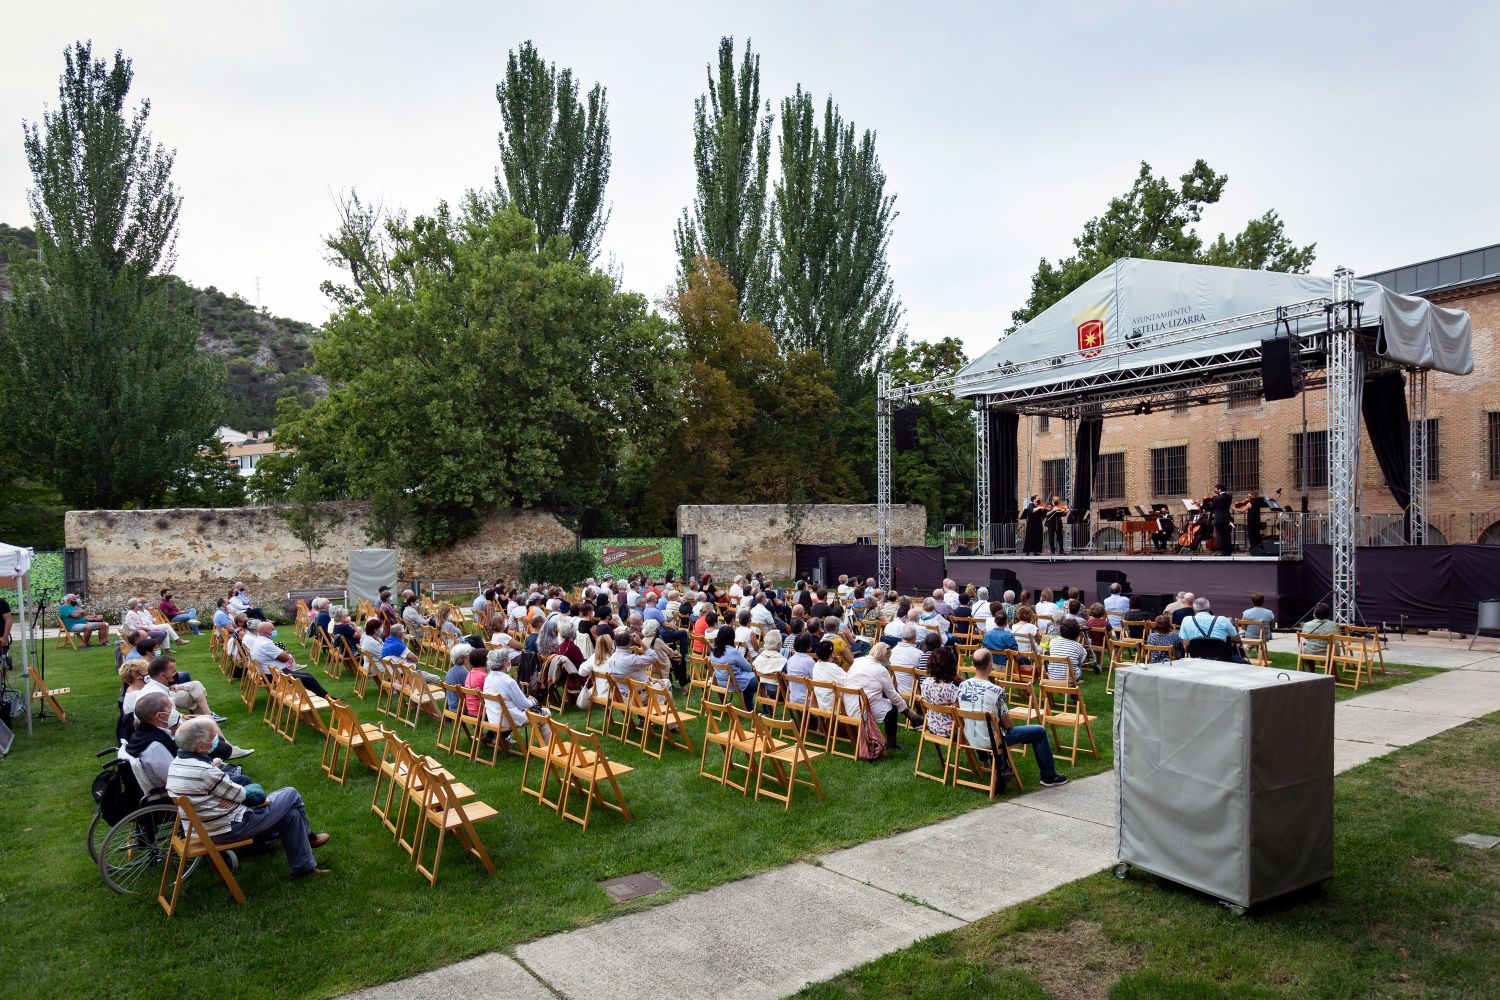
x=116 y=791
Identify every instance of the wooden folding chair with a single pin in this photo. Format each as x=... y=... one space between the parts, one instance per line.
x=1167 y=649
x=622 y=712
x=190 y=840
x=444 y=810
x=858 y=717
x=505 y=725
x=782 y=751
x=699 y=677
x=1374 y=649
x=66 y=639
x=976 y=774
x=818 y=729
x=718 y=734
x=551 y=751
x=1309 y=658
x=743 y=739
x=589 y=768
x=1063 y=708
x=388 y=674
x=353 y=737
x=945 y=745
x=252 y=681
x=456 y=722
x=364 y=668
x=1348 y=656
x=659 y=711
x=1257 y=650
x=771 y=703
x=600 y=697
x=908 y=681
x=48 y=696
x=1100 y=644
x=296 y=704
x=1065 y=662
x=1123 y=653
x=415 y=697
x=794 y=701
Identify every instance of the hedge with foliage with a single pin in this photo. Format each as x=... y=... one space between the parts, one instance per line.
x=46 y=575
x=565 y=567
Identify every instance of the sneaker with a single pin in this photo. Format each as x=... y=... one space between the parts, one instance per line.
x=241 y=752
x=1056 y=779
x=219 y=718
x=294 y=876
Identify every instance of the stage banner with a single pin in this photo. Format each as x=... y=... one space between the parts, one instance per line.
x=624 y=556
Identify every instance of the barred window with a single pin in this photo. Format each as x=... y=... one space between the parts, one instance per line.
x=1494 y=421
x=1244 y=395
x=1433 y=466
x=1043 y=424
x=1054 y=477
x=1315 y=446
x=1169 y=471
x=1109 y=477
x=1239 y=465
x=1180 y=405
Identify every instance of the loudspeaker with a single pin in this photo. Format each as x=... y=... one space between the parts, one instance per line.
x=1153 y=603
x=1267 y=548
x=1104 y=577
x=906 y=428
x=1001 y=580
x=1277 y=380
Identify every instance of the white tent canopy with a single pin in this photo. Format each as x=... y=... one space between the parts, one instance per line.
x=15 y=561
x=1123 y=318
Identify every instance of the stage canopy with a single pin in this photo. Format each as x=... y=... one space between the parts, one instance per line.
x=1123 y=319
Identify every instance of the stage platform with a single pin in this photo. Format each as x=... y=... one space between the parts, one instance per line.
x=1227 y=581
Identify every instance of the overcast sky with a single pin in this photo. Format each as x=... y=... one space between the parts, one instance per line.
x=1002 y=126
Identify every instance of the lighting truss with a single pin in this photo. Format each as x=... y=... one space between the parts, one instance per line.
x=883 y=406
x=982 y=472
x=1345 y=385
x=1416 y=409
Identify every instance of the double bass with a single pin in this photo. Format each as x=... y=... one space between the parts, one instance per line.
x=1199 y=530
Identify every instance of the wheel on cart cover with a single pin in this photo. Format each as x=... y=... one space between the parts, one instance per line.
x=97 y=829
x=1234 y=908
x=134 y=849
x=1122 y=869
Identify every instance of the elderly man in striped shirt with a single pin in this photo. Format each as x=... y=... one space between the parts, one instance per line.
x=232 y=812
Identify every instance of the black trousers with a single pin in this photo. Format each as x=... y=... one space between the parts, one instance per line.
x=1054 y=538
x=310 y=682
x=892 y=720
x=1224 y=537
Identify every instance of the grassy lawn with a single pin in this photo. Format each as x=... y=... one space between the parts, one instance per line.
x=375 y=919
x=1408 y=912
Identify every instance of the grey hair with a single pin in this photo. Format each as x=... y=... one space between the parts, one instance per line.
x=499 y=658
x=1201 y=604
x=1010 y=597
x=909 y=633
x=339 y=613
x=151 y=704
x=928 y=604
x=982 y=594
x=459 y=654
x=194 y=732
x=832 y=623
x=567 y=628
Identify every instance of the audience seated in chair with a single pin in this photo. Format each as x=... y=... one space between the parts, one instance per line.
x=978 y=694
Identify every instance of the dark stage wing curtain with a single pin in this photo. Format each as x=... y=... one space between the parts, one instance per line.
x=1004 y=465
x=1086 y=459
x=1388 y=426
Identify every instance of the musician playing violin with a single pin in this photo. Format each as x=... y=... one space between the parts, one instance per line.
x=1056 y=511
x=1220 y=503
x=1251 y=507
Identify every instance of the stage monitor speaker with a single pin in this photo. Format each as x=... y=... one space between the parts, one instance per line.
x=1104 y=577
x=1002 y=580
x=906 y=428
x=823 y=570
x=1267 y=548
x=1277 y=380
x=1153 y=603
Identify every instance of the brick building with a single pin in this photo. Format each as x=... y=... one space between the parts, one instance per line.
x=1255 y=446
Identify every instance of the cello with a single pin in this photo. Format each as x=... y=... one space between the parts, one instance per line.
x=1200 y=530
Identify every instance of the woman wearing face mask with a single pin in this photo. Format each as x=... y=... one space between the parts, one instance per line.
x=239 y=603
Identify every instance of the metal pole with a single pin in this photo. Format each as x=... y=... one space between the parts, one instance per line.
x=883 y=574
x=1070 y=432
x=982 y=474
x=1416 y=409
x=1342 y=402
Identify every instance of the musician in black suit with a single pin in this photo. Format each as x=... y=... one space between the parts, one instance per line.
x=1220 y=504
x=1055 y=514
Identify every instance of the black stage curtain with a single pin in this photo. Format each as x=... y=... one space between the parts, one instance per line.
x=1086 y=459
x=1432 y=586
x=918 y=569
x=1004 y=465
x=1389 y=428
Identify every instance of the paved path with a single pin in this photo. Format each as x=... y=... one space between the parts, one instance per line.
x=774 y=933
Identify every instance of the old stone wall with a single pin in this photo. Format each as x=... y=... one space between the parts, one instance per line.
x=748 y=538
x=199 y=553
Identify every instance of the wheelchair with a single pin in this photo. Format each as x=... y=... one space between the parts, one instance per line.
x=131 y=831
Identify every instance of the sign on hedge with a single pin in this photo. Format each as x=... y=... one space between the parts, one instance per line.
x=624 y=556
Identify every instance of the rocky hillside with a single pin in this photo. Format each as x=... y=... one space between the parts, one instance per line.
x=264 y=355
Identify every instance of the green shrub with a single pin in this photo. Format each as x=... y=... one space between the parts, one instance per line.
x=564 y=567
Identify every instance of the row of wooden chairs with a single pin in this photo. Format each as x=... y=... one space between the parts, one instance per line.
x=631 y=710
x=1352 y=654
x=960 y=763
x=773 y=748
x=416 y=797
x=576 y=761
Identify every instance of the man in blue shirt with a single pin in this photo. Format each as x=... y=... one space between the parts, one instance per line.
x=999 y=638
x=395 y=644
x=1204 y=624
x=1115 y=605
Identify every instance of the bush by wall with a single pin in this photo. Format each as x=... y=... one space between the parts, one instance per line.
x=564 y=567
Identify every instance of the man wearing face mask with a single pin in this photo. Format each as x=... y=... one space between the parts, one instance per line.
x=232 y=812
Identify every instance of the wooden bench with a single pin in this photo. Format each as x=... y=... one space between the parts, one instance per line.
x=473 y=585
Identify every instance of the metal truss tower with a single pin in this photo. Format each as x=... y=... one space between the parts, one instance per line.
x=982 y=473
x=1345 y=385
x=1416 y=409
x=883 y=574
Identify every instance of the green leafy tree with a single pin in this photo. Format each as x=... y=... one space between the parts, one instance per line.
x=940 y=473
x=554 y=151
x=731 y=155
x=207 y=481
x=831 y=227
x=103 y=380
x=751 y=419
x=496 y=371
x=1155 y=220
x=306 y=518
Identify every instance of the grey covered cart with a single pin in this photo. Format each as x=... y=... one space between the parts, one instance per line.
x=1225 y=775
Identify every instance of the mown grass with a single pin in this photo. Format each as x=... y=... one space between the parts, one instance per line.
x=1407 y=913
x=374 y=919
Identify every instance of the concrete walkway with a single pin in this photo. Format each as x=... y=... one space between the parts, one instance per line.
x=772 y=934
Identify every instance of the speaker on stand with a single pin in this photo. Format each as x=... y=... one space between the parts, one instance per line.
x=1278 y=379
x=905 y=428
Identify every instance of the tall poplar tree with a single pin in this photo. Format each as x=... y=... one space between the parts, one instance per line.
x=831 y=226
x=731 y=154
x=554 y=150
x=104 y=386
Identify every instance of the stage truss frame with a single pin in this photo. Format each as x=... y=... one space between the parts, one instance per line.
x=1333 y=355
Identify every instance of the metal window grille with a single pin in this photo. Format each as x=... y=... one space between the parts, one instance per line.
x=1245 y=395
x=1169 y=471
x=1043 y=424
x=1054 y=477
x=1494 y=420
x=1239 y=465
x=1433 y=466
x=1316 y=445
x=1109 y=477
x=1180 y=405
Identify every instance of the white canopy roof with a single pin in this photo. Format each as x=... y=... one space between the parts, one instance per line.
x=14 y=561
x=1144 y=301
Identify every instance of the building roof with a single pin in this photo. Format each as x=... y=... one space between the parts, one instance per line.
x=251 y=448
x=1442 y=274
